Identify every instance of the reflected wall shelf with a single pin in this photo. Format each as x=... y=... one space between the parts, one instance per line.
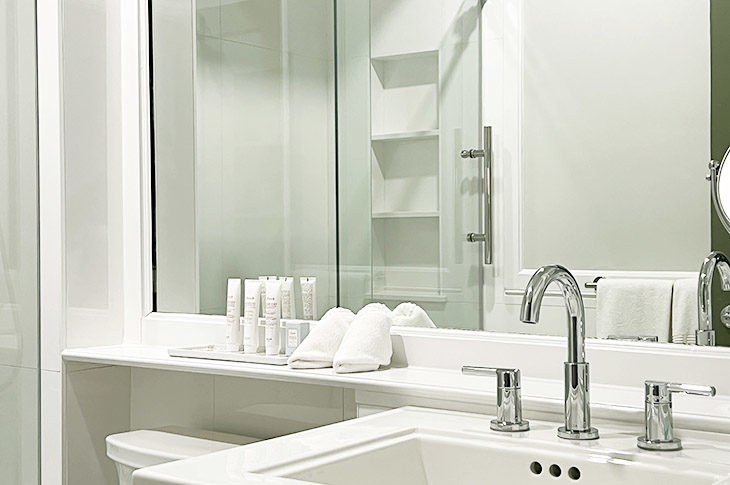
x=401 y=296
x=404 y=214
x=405 y=135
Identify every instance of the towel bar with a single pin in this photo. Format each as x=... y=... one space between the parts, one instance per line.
x=594 y=284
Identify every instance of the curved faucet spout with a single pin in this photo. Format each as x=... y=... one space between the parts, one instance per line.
x=577 y=395
x=715 y=260
x=532 y=301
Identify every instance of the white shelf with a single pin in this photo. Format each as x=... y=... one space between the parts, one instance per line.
x=403 y=56
x=406 y=135
x=405 y=214
x=400 y=296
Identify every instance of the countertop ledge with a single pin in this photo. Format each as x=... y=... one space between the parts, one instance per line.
x=540 y=396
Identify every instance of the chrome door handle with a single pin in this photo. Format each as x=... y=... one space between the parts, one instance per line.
x=486 y=156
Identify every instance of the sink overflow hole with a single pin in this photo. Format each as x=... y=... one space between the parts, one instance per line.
x=574 y=473
x=536 y=468
x=555 y=470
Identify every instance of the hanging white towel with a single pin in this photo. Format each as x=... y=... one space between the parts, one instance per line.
x=684 y=311
x=627 y=307
x=411 y=315
x=367 y=343
x=319 y=347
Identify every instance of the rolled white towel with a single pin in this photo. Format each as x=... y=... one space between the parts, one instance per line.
x=684 y=311
x=411 y=315
x=366 y=345
x=318 y=349
x=374 y=307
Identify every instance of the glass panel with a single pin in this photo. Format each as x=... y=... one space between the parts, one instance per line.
x=244 y=147
x=18 y=245
x=408 y=103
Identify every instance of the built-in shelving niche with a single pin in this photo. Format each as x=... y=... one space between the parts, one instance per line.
x=405 y=177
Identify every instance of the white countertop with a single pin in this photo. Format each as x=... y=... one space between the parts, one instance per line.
x=615 y=403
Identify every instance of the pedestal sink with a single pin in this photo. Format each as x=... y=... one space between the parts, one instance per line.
x=414 y=446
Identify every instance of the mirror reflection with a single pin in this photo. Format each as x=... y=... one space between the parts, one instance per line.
x=345 y=141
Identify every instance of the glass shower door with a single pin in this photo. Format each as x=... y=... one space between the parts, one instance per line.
x=19 y=369
x=408 y=103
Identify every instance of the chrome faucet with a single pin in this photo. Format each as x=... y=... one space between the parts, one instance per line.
x=658 y=422
x=577 y=400
x=705 y=332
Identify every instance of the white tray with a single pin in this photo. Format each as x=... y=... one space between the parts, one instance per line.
x=214 y=352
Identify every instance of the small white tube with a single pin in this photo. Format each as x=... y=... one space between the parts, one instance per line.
x=288 y=309
x=252 y=302
x=309 y=297
x=263 y=280
x=273 y=317
x=233 y=315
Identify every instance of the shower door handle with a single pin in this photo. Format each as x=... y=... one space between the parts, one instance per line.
x=485 y=155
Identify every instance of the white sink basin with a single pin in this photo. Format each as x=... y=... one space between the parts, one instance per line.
x=413 y=446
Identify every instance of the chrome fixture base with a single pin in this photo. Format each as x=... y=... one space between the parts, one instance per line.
x=589 y=434
x=705 y=337
x=506 y=427
x=658 y=445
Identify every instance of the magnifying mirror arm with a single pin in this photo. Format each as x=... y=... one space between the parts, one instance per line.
x=714 y=178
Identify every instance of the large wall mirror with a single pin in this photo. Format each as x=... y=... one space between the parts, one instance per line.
x=324 y=138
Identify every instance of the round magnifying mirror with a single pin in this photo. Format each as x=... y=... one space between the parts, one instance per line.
x=720 y=179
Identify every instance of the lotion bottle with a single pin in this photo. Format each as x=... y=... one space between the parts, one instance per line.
x=273 y=317
x=288 y=309
x=233 y=315
x=309 y=297
x=252 y=302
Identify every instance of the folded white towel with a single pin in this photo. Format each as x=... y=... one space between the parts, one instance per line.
x=319 y=347
x=684 y=311
x=411 y=315
x=633 y=307
x=374 y=307
x=367 y=343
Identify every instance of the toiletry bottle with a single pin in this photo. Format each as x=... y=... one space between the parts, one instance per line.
x=309 y=297
x=296 y=331
x=273 y=317
x=233 y=315
x=252 y=300
x=288 y=309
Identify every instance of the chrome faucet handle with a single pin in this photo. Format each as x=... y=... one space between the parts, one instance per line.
x=509 y=397
x=658 y=421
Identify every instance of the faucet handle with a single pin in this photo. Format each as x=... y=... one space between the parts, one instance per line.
x=509 y=397
x=505 y=377
x=659 y=424
x=661 y=392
